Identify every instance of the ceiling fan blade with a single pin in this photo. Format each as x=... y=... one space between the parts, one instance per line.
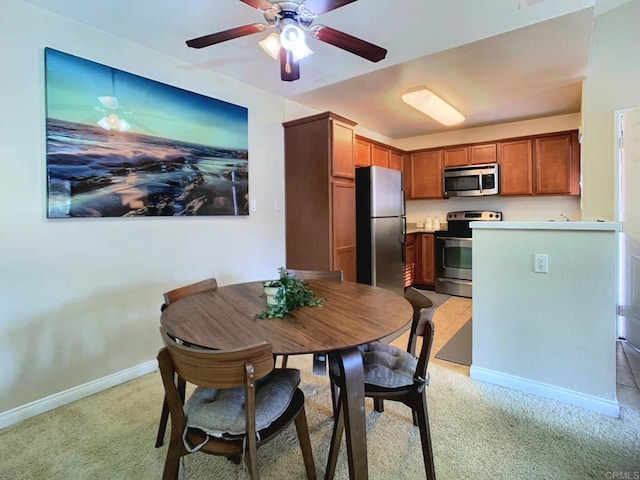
x=225 y=35
x=323 y=6
x=258 y=4
x=347 y=42
x=289 y=68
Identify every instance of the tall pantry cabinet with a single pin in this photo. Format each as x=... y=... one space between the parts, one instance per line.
x=320 y=200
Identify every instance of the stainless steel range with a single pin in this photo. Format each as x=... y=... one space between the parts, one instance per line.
x=453 y=251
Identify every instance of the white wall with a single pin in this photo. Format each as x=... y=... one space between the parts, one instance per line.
x=80 y=298
x=613 y=82
x=533 y=208
x=551 y=334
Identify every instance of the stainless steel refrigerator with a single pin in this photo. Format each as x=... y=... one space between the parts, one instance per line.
x=380 y=228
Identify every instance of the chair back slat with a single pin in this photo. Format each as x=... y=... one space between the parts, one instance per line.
x=336 y=275
x=426 y=315
x=218 y=368
x=202 y=286
x=427 y=330
x=418 y=301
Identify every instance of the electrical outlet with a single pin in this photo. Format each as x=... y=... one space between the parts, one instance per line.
x=541 y=263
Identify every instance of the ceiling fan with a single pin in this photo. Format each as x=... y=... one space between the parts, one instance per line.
x=290 y=20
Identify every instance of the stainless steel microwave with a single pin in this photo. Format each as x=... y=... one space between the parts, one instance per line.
x=470 y=180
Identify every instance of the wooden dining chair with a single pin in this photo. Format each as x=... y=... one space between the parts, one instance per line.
x=336 y=275
x=170 y=297
x=176 y=294
x=396 y=375
x=418 y=301
x=333 y=275
x=240 y=403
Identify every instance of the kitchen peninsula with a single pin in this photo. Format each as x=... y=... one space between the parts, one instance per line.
x=549 y=333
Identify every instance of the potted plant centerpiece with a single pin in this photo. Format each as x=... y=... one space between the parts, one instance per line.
x=287 y=293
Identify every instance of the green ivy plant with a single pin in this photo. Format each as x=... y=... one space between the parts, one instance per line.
x=292 y=293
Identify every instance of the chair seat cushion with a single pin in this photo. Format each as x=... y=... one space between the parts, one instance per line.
x=221 y=412
x=385 y=365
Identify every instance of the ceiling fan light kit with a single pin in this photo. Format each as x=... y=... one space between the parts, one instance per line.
x=433 y=106
x=271 y=45
x=291 y=36
x=290 y=20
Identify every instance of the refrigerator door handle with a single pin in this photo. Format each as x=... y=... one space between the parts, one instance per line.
x=404 y=204
x=403 y=240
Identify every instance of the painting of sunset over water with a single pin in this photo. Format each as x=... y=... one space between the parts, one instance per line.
x=120 y=145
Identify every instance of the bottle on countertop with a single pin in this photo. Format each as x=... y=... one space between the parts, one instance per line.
x=428 y=224
x=436 y=224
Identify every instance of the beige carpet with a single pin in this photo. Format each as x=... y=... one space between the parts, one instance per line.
x=479 y=431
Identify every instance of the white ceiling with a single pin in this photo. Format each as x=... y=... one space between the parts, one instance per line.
x=494 y=60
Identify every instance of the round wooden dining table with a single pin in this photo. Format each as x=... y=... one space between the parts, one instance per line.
x=352 y=314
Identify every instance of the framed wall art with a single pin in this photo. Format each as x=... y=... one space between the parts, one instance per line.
x=120 y=145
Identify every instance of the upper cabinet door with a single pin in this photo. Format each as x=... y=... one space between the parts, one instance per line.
x=557 y=165
x=483 y=153
x=363 y=153
x=343 y=151
x=379 y=156
x=426 y=175
x=455 y=157
x=516 y=167
x=396 y=160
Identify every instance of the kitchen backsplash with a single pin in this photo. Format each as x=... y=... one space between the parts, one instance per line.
x=520 y=209
x=416 y=227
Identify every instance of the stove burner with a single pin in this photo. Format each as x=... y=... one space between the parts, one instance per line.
x=458 y=222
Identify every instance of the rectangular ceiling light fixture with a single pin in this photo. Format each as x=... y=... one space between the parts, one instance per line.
x=432 y=105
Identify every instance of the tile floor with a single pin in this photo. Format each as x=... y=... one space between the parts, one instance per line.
x=628 y=375
x=453 y=313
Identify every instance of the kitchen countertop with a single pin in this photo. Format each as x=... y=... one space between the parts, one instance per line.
x=412 y=228
x=589 y=226
x=420 y=230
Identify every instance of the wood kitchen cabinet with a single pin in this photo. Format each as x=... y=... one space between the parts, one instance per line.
x=320 y=194
x=476 y=154
x=369 y=152
x=540 y=165
x=545 y=164
x=516 y=167
x=379 y=156
x=363 y=153
x=425 y=272
x=557 y=164
x=455 y=156
x=396 y=160
x=410 y=260
x=424 y=179
x=483 y=153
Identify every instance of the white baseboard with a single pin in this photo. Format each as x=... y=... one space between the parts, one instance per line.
x=56 y=400
x=564 y=395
